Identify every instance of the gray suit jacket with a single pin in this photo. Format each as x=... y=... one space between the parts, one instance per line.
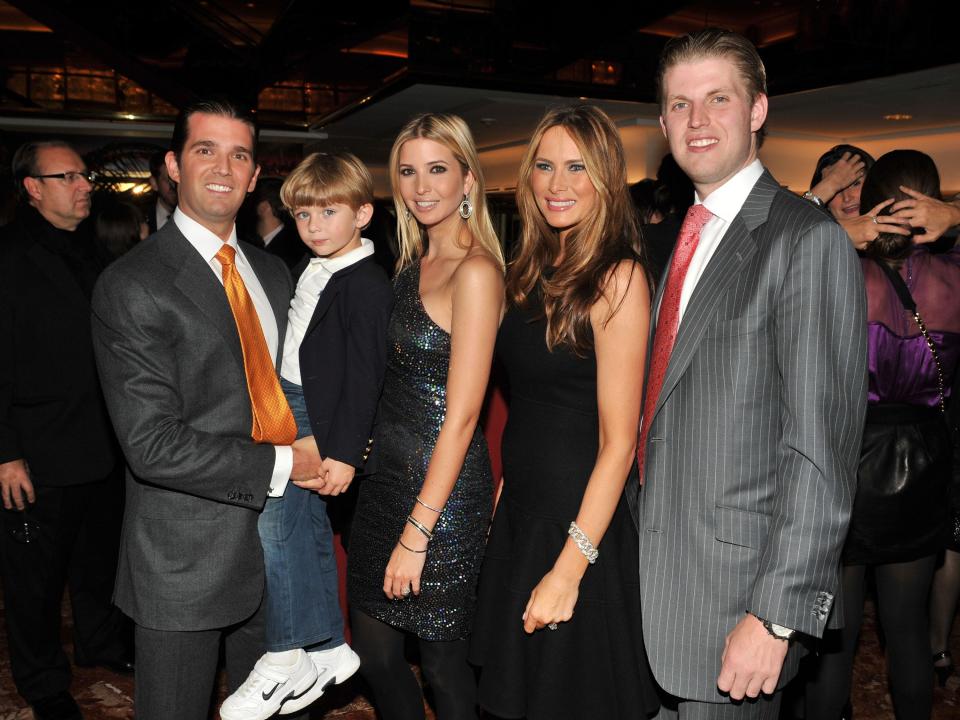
x=172 y=371
x=752 y=452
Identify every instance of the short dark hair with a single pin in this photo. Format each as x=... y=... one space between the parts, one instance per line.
x=24 y=162
x=715 y=42
x=833 y=155
x=268 y=190
x=911 y=168
x=157 y=162
x=211 y=106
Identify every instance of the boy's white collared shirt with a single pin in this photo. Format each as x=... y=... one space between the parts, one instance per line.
x=312 y=282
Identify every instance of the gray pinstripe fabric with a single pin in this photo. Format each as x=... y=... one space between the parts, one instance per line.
x=752 y=453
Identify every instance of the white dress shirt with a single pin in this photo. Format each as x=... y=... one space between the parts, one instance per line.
x=208 y=245
x=268 y=238
x=312 y=282
x=725 y=203
x=161 y=215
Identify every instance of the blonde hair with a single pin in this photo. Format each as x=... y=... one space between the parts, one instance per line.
x=592 y=247
x=451 y=132
x=325 y=179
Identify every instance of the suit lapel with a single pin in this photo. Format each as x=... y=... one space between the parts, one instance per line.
x=736 y=247
x=330 y=291
x=196 y=281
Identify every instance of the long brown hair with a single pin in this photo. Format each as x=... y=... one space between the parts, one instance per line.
x=609 y=234
x=454 y=134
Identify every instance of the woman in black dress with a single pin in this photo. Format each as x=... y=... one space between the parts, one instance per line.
x=558 y=629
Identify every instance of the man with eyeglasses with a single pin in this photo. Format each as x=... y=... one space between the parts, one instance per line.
x=59 y=466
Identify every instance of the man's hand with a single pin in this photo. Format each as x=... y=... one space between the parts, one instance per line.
x=339 y=475
x=15 y=485
x=307 y=465
x=923 y=211
x=752 y=660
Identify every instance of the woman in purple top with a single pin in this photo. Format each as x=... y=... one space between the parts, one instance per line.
x=900 y=511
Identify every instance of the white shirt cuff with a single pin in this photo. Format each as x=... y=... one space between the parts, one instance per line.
x=281 y=470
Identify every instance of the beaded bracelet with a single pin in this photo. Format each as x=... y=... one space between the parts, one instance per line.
x=429 y=507
x=408 y=548
x=583 y=542
x=420 y=526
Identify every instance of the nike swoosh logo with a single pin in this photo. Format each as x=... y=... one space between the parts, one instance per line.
x=267 y=696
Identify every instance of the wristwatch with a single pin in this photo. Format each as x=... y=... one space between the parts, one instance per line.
x=778 y=631
x=808 y=195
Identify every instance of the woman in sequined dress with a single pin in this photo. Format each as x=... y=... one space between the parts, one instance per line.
x=558 y=631
x=421 y=519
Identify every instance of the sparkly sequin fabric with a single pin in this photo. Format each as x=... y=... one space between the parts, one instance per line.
x=411 y=412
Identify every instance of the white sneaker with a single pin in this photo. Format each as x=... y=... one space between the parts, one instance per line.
x=333 y=667
x=267 y=687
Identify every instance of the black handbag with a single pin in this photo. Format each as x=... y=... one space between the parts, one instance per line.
x=900 y=511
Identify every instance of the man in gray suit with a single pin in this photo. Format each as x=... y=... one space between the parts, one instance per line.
x=172 y=365
x=754 y=405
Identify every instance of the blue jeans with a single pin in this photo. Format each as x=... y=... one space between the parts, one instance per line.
x=302 y=604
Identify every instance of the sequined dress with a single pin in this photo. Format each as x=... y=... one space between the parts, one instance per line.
x=595 y=665
x=411 y=412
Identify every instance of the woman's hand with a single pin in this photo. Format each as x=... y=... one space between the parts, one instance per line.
x=551 y=601
x=843 y=173
x=931 y=214
x=405 y=567
x=864 y=229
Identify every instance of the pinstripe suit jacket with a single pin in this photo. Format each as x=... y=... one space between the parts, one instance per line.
x=752 y=452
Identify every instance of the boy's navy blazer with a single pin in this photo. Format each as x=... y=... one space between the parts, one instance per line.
x=343 y=358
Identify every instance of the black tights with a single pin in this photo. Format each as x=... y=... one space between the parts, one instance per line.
x=902 y=592
x=396 y=692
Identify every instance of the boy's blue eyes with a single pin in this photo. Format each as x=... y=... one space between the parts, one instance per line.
x=305 y=215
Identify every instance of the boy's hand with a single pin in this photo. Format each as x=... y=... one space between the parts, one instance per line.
x=338 y=475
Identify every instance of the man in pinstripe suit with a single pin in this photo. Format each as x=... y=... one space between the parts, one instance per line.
x=755 y=403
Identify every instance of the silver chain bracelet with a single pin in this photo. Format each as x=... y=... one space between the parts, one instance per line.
x=583 y=542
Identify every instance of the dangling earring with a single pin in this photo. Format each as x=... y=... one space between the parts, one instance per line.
x=406 y=213
x=466 y=208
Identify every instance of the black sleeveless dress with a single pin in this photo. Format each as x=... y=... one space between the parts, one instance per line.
x=409 y=417
x=595 y=665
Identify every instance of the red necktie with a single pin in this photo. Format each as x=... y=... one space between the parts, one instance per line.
x=668 y=319
x=272 y=420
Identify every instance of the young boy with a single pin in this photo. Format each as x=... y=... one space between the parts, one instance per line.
x=332 y=371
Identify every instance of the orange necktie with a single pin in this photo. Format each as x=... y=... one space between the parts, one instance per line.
x=272 y=420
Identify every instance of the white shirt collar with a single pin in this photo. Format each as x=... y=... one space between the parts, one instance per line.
x=725 y=202
x=272 y=234
x=162 y=214
x=332 y=265
x=203 y=240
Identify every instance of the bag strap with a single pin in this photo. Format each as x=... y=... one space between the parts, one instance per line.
x=910 y=305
